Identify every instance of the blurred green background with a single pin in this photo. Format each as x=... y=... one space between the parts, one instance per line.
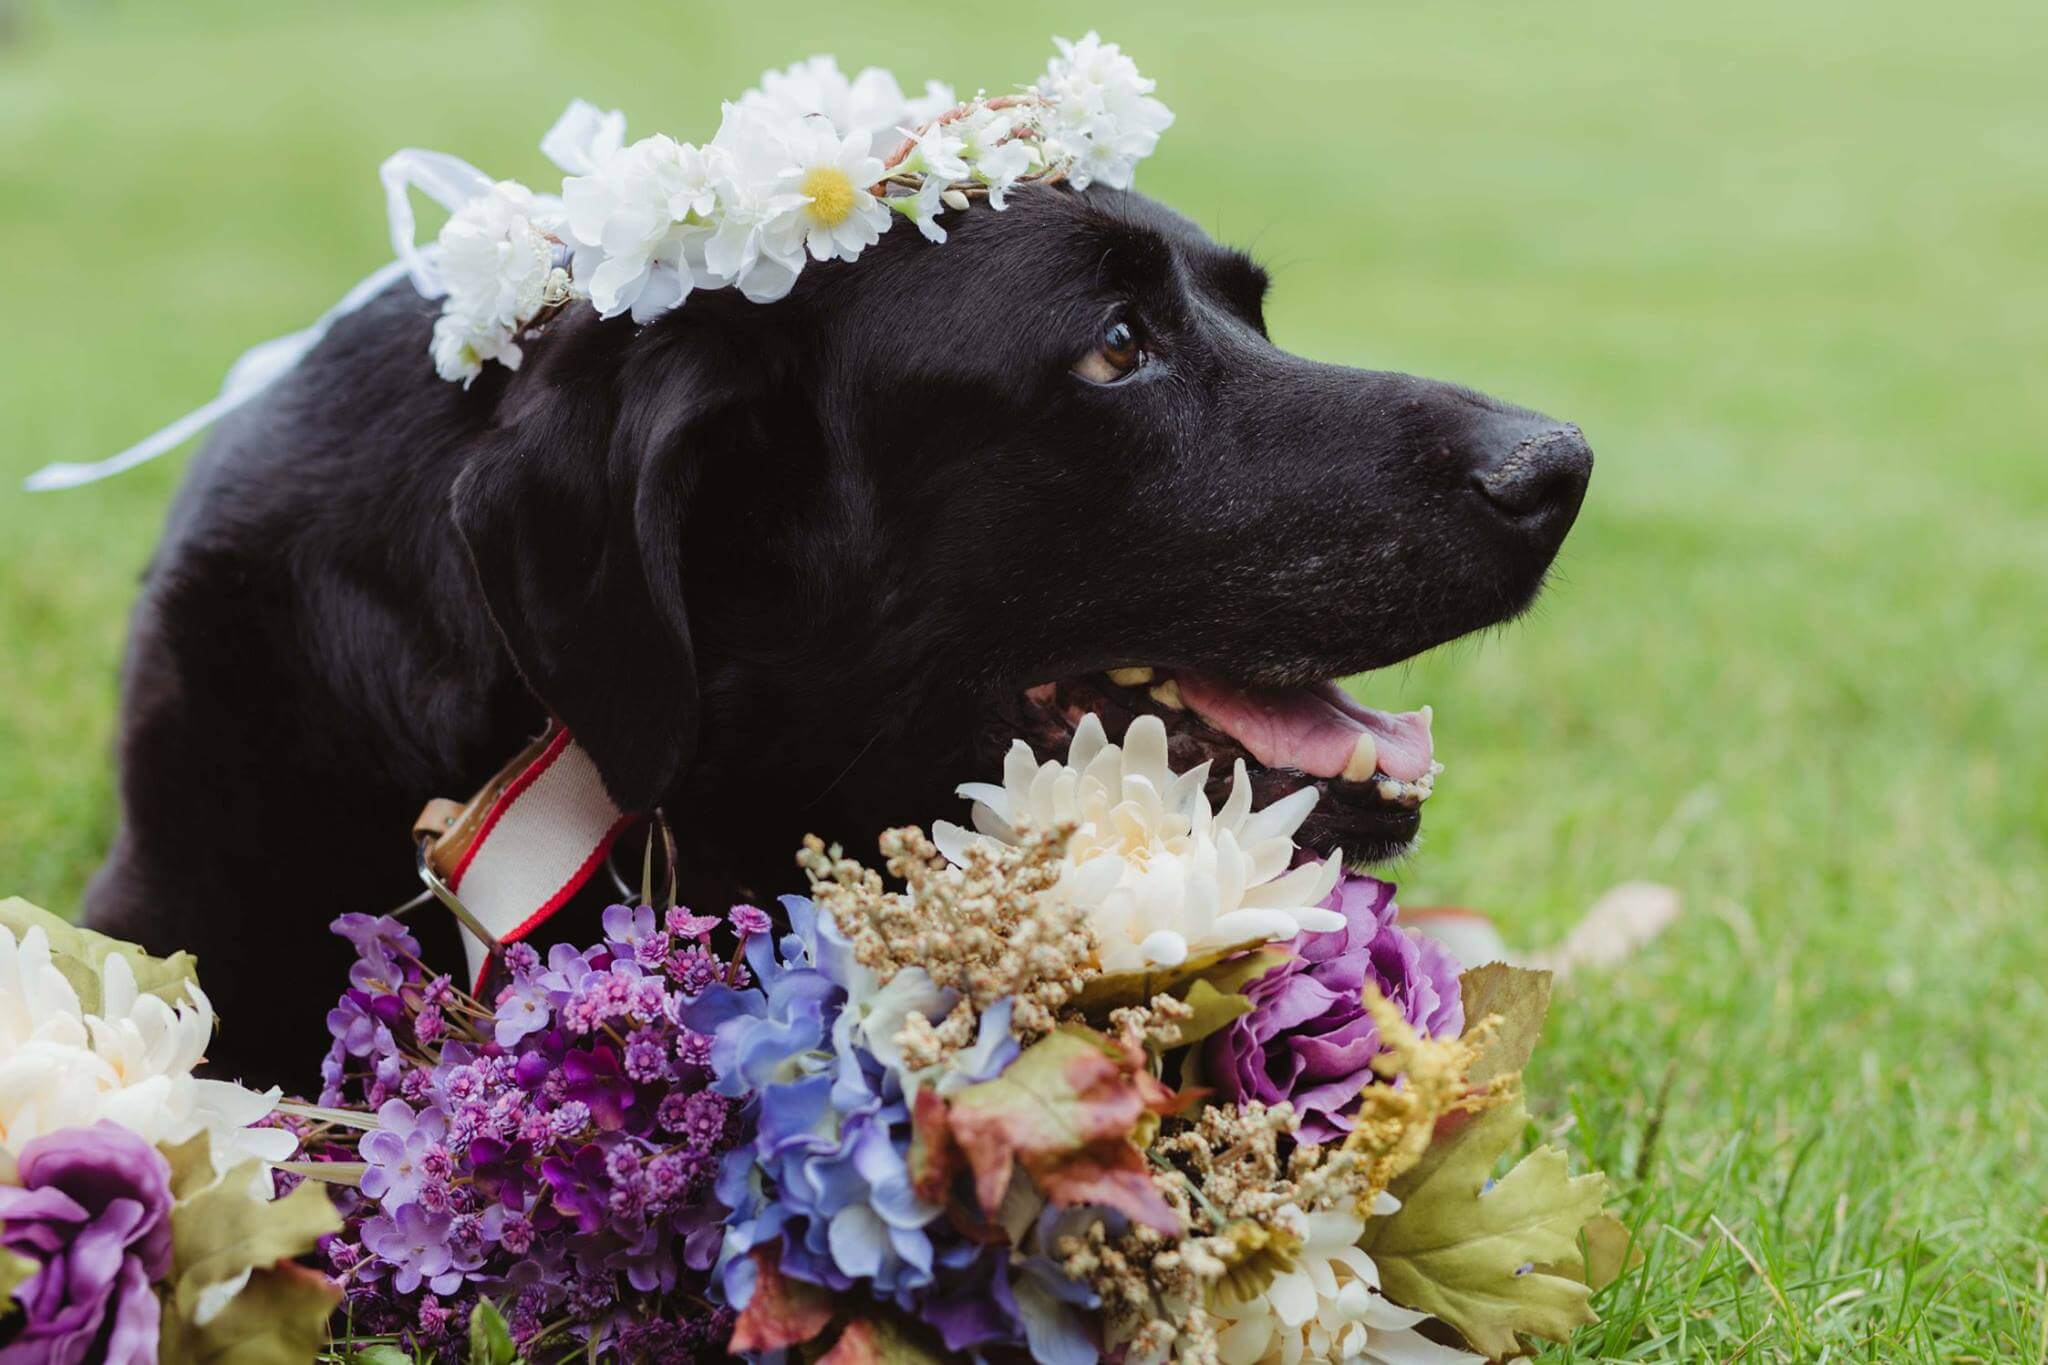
x=1787 y=265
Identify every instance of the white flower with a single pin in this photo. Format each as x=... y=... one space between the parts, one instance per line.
x=1103 y=114
x=1162 y=878
x=870 y=103
x=833 y=172
x=584 y=137
x=937 y=99
x=758 y=241
x=1328 y=1308
x=630 y=221
x=130 y=1064
x=496 y=260
x=935 y=155
x=997 y=159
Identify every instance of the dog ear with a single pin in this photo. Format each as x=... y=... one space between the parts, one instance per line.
x=573 y=511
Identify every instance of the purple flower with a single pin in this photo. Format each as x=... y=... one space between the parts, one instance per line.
x=400 y=1152
x=383 y=950
x=694 y=969
x=681 y=924
x=1308 y=1039
x=750 y=920
x=415 y=1244
x=646 y=1056
x=522 y=1009
x=357 y=1030
x=626 y=925
x=93 y=1214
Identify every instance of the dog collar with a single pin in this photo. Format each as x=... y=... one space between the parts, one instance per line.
x=508 y=859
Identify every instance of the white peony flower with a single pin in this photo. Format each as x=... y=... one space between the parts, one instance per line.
x=496 y=261
x=1162 y=877
x=870 y=103
x=1102 y=111
x=833 y=172
x=1328 y=1308
x=630 y=221
x=130 y=1064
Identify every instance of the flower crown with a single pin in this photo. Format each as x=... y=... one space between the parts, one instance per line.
x=792 y=172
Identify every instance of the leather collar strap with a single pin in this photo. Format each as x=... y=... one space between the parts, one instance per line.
x=516 y=852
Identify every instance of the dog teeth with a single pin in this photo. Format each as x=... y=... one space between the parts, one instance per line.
x=1130 y=677
x=1167 y=694
x=1410 y=794
x=1365 y=756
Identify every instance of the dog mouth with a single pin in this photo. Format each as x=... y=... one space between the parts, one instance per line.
x=1373 y=768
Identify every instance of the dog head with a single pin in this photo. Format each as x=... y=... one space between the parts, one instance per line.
x=806 y=565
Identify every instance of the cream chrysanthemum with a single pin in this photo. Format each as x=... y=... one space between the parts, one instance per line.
x=1163 y=878
x=130 y=1064
x=1327 y=1308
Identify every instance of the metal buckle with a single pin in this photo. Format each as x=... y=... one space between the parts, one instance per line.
x=439 y=890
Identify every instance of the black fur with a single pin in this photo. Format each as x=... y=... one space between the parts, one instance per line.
x=774 y=565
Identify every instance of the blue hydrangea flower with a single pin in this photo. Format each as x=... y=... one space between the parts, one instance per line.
x=826 y=1178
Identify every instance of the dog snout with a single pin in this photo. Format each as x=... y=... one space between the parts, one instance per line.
x=1534 y=478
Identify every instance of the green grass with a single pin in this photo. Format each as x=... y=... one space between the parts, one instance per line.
x=1783 y=262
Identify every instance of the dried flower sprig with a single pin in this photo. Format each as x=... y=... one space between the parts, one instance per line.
x=985 y=930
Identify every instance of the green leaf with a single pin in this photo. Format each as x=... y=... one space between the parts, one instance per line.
x=380 y=1354
x=1610 y=1251
x=783 y=1312
x=1454 y=1253
x=1522 y=999
x=1115 y=990
x=1065 y=1111
x=490 y=1340
x=231 y=1263
x=884 y=1340
x=1212 y=1010
x=279 y=1318
x=79 y=955
x=15 y=1271
x=1217 y=995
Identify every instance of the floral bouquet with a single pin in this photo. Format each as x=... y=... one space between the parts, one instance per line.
x=1118 y=1078
x=139 y=1209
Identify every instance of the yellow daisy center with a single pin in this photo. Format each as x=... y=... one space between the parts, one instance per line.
x=831 y=194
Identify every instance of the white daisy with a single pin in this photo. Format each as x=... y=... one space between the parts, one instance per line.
x=1162 y=877
x=1328 y=1308
x=834 y=174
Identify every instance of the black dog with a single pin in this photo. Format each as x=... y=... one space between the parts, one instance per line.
x=788 y=568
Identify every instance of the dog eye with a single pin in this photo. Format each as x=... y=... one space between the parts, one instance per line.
x=1119 y=352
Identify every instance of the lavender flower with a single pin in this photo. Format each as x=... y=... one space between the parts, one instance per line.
x=92 y=1213
x=557 y=1153
x=397 y=1153
x=1308 y=1039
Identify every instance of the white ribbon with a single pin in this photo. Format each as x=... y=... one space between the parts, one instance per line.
x=449 y=181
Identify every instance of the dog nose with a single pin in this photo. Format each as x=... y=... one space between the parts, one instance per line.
x=1541 y=479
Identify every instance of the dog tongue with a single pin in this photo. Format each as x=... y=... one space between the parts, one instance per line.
x=1314 y=729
